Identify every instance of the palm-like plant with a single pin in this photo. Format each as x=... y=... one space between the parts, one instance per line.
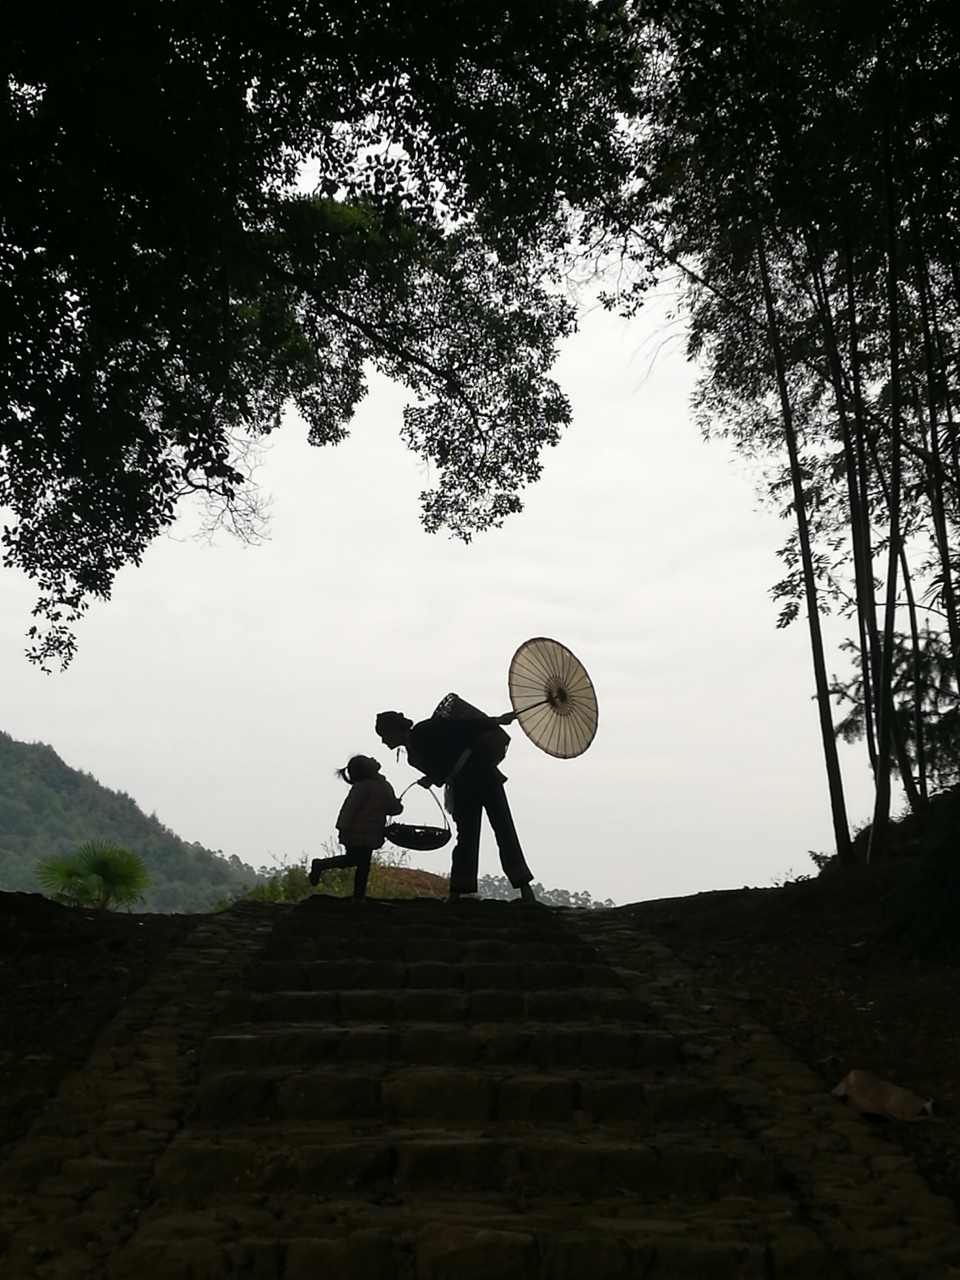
x=99 y=874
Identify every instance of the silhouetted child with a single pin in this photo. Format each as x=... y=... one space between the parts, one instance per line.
x=361 y=822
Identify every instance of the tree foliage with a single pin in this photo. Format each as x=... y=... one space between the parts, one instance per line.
x=213 y=212
x=925 y=701
x=500 y=887
x=797 y=163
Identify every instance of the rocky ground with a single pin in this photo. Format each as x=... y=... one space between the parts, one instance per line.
x=824 y=962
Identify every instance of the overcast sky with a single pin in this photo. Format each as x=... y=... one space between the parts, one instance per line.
x=223 y=685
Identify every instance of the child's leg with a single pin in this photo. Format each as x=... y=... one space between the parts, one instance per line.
x=361 y=860
x=319 y=865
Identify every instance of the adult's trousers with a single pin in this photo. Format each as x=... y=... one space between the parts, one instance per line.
x=475 y=792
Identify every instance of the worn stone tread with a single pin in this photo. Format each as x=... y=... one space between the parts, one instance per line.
x=455 y=1095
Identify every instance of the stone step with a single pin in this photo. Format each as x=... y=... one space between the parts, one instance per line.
x=475 y=1247
x=393 y=975
x=504 y=941
x=644 y=1129
x=444 y=1005
x=596 y=1046
x=456 y=1097
x=306 y=944
x=402 y=1162
x=416 y=915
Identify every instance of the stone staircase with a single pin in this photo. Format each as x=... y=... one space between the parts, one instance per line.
x=410 y=1091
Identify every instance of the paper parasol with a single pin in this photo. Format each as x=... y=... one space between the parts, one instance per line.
x=554 y=698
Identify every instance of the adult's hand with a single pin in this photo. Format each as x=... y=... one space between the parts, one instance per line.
x=508 y=718
x=424 y=782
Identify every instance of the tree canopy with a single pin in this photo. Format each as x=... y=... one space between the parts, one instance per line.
x=212 y=211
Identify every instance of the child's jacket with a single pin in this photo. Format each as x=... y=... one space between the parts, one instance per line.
x=364 y=814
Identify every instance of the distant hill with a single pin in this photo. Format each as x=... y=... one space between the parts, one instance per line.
x=48 y=808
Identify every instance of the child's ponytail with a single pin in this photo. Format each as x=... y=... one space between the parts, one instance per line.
x=355 y=770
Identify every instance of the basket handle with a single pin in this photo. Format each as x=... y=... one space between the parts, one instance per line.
x=443 y=812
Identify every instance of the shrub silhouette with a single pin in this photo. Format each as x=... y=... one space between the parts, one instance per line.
x=98 y=875
x=932 y=892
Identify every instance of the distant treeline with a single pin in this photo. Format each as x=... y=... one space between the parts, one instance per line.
x=500 y=887
x=48 y=808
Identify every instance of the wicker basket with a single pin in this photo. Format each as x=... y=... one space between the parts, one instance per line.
x=493 y=743
x=408 y=836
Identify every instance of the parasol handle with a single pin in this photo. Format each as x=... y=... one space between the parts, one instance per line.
x=550 y=700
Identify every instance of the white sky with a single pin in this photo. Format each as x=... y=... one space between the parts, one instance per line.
x=223 y=685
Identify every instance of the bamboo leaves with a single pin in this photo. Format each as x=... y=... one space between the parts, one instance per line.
x=806 y=163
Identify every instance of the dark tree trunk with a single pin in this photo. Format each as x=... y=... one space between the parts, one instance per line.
x=841 y=826
x=881 y=812
x=916 y=789
x=869 y=633
x=856 y=488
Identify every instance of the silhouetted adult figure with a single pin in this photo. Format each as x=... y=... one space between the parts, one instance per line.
x=447 y=751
